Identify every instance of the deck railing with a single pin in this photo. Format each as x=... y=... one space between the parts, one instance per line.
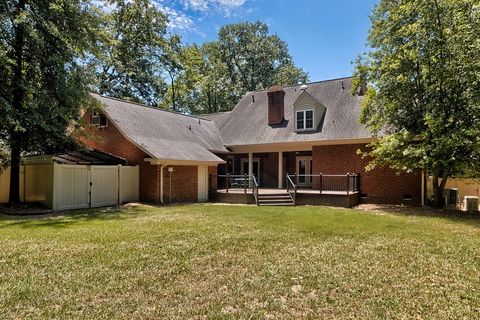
x=255 y=187
x=229 y=182
x=292 y=189
x=348 y=183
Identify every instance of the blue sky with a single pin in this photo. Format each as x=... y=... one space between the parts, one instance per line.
x=324 y=37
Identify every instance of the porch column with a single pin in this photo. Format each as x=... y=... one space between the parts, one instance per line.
x=280 y=169
x=250 y=168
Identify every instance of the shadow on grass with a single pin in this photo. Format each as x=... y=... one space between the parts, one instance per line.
x=62 y=219
x=457 y=216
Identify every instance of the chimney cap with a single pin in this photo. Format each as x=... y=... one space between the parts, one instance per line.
x=275 y=89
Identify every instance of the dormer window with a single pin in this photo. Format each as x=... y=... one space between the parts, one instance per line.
x=304 y=120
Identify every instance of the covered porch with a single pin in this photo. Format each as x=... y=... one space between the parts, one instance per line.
x=253 y=177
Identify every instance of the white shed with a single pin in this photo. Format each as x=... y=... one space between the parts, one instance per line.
x=75 y=180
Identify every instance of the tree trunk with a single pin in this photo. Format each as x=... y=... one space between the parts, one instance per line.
x=17 y=104
x=439 y=201
x=14 y=197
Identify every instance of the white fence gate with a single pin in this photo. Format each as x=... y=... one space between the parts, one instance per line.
x=71 y=187
x=82 y=186
x=104 y=182
x=65 y=187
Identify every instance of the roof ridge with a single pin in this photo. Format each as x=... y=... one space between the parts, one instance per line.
x=213 y=113
x=149 y=107
x=301 y=84
x=319 y=81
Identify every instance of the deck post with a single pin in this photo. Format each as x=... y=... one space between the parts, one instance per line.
x=280 y=169
x=227 y=182
x=245 y=183
x=250 y=166
x=348 y=183
x=296 y=179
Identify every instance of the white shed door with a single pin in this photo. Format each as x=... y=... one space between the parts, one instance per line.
x=104 y=186
x=71 y=187
x=202 y=183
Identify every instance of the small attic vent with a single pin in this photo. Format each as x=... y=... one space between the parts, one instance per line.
x=303 y=87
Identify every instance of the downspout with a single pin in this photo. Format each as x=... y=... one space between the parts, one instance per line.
x=161 y=182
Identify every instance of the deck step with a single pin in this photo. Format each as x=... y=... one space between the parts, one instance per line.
x=275 y=199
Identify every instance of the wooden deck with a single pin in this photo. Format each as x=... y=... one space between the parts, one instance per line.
x=304 y=196
x=282 y=191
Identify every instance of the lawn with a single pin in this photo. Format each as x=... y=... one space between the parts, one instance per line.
x=222 y=262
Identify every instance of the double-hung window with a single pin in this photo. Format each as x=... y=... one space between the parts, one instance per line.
x=304 y=120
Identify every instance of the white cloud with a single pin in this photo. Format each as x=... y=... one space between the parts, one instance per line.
x=211 y=5
x=177 y=20
x=183 y=15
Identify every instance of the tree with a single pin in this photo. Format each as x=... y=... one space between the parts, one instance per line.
x=214 y=76
x=203 y=86
x=172 y=68
x=255 y=58
x=423 y=96
x=42 y=84
x=132 y=45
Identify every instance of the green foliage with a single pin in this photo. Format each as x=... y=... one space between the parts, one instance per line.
x=245 y=57
x=42 y=82
x=131 y=51
x=423 y=72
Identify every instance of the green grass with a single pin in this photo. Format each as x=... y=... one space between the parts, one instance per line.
x=222 y=262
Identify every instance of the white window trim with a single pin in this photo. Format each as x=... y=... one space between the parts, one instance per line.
x=304 y=114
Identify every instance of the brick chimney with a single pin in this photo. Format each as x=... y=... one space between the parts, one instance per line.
x=276 y=106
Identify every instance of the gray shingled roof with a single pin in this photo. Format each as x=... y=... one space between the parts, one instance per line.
x=247 y=123
x=165 y=135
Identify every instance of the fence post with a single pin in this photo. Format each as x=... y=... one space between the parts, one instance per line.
x=227 y=182
x=245 y=183
x=348 y=183
x=119 y=190
x=321 y=182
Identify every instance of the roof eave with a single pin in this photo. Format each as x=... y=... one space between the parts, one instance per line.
x=177 y=162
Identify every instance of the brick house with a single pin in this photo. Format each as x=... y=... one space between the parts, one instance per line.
x=304 y=135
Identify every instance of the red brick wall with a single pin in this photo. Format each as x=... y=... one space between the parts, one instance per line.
x=184 y=184
x=212 y=182
x=276 y=106
x=149 y=183
x=381 y=185
x=110 y=140
x=269 y=168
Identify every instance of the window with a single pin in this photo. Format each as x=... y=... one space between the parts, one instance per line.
x=99 y=119
x=304 y=120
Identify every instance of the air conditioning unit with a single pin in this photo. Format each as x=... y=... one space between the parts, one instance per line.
x=95 y=120
x=450 y=197
x=470 y=203
x=98 y=119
